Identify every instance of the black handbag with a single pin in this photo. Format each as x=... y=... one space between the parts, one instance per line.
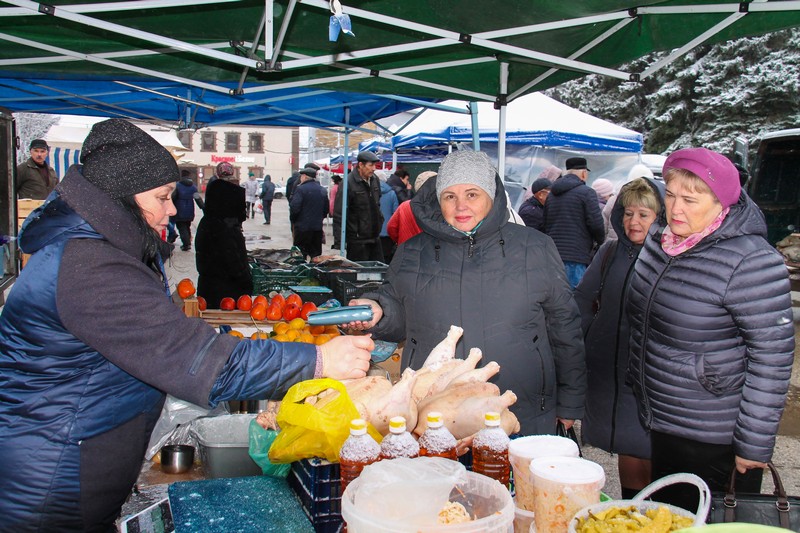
x=776 y=509
x=562 y=431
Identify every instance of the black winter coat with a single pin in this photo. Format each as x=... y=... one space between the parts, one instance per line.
x=712 y=336
x=184 y=197
x=573 y=219
x=532 y=213
x=506 y=287
x=309 y=206
x=267 y=190
x=403 y=193
x=364 y=219
x=221 y=254
x=611 y=422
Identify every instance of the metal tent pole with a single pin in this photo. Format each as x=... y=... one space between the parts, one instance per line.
x=345 y=174
x=501 y=137
x=476 y=133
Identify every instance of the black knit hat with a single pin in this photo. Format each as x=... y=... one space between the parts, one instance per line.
x=122 y=160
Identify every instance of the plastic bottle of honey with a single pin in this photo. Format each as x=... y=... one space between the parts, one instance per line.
x=437 y=441
x=399 y=442
x=490 y=450
x=358 y=451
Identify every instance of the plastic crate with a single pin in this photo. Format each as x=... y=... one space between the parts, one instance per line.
x=365 y=271
x=318 y=486
x=266 y=280
x=224 y=445
x=348 y=290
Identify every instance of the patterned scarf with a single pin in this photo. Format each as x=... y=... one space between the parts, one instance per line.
x=675 y=245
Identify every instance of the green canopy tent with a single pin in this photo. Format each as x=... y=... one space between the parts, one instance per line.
x=246 y=61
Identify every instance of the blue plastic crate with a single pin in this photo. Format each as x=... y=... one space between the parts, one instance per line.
x=318 y=486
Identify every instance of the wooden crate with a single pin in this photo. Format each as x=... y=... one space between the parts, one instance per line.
x=25 y=208
x=218 y=317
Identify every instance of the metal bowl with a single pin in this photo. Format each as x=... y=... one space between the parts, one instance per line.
x=176 y=458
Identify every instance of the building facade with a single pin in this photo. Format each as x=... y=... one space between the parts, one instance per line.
x=250 y=149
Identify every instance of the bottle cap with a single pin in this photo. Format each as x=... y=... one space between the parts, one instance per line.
x=435 y=419
x=397 y=424
x=358 y=426
x=492 y=418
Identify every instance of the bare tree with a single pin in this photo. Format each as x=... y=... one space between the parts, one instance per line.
x=31 y=126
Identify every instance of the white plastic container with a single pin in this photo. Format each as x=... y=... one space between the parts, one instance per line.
x=523 y=450
x=523 y=520
x=224 y=445
x=561 y=487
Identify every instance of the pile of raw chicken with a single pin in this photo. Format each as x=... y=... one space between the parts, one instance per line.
x=453 y=387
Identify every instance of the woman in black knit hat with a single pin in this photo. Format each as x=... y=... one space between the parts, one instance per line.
x=90 y=341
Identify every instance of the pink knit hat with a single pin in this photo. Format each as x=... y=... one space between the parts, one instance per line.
x=714 y=169
x=603 y=187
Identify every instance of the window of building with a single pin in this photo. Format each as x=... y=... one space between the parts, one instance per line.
x=208 y=141
x=256 y=142
x=232 y=142
x=185 y=137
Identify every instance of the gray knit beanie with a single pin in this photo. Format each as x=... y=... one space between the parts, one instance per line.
x=466 y=166
x=122 y=159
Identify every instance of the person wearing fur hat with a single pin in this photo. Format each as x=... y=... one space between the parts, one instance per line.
x=712 y=335
x=35 y=178
x=501 y=282
x=91 y=341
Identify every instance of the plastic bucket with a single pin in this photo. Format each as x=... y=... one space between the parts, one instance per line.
x=520 y=453
x=561 y=487
x=522 y=520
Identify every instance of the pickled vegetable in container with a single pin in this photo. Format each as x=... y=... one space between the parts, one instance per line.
x=523 y=450
x=562 y=486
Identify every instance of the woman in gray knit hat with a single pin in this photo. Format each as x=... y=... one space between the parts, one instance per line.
x=90 y=341
x=503 y=283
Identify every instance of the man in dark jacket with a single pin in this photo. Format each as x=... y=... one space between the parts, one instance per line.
x=572 y=218
x=35 y=178
x=400 y=182
x=307 y=210
x=532 y=210
x=267 y=195
x=364 y=219
x=184 y=198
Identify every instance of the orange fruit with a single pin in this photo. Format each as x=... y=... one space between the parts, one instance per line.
x=258 y=312
x=305 y=337
x=331 y=328
x=297 y=323
x=280 y=327
x=227 y=304
x=201 y=303
x=236 y=333
x=291 y=334
x=322 y=339
x=258 y=335
x=186 y=288
x=317 y=330
x=244 y=303
x=281 y=338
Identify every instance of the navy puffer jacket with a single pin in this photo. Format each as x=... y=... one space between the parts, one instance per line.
x=712 y=337
x=573 y=219
x=505 y=285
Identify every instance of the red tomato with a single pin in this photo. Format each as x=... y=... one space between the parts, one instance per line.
x=274 y=312
x=259 y=311
x=261 y=299
x=278 y=299
x=308 y=307
x=244 y=303
x=294 y=299
x=291 y=311
x=201 y=303
x=227 y=304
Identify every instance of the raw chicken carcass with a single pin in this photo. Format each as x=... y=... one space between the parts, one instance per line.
x=469 y=418
x=268 y=419
x=445 y=350
x=377 y=400
x=367 y=392
x=454 y=371
x=448 y=402
x=427 y=376
x=484 y=373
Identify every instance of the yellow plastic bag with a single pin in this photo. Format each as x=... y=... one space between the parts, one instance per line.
x=314 y=429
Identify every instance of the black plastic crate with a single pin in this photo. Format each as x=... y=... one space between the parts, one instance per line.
x=348 y=290
x=318 y=486
x=364 y=271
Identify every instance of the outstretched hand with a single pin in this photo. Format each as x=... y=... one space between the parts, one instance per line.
x=347 y=356
x=377 y=314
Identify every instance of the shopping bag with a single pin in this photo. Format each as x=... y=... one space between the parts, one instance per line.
x=260 y=441
x=314 y=418
x=562 y=431
x=775 y=509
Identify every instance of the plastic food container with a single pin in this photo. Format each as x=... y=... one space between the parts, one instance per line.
x=561 y=487
x=224 y=443
x=487 y=501
x=522 y=520
x=523 y=450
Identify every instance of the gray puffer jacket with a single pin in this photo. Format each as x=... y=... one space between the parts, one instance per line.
x=712 y=337
x=506 y=287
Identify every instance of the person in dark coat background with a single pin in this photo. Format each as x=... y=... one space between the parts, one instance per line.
x=185 y=197
x=389 y=205
x=712 y=332
x=457 y=272
x=532 y=210
x=364 y=219
x=572 y=218
x=35 y=178
x=611 y=422
x=400 y=182
x=307 y=211
x=91 y=342
x=267 y=196
x=221 y=255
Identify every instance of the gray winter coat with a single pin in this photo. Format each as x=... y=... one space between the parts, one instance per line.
x=712 y=337
x=506 y=287
x=611 y=421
